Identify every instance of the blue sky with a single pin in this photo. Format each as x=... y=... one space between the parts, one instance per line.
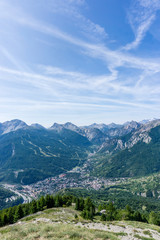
x=82 y=61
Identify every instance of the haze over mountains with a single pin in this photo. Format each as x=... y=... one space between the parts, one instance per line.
x=32 y=153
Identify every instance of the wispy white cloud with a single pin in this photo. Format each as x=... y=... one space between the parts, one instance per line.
x=106 y=84
x=140 y=33
x=72 y=9
x=58 y=79
x=154 y=4
x=16 y=63
x=66 y=82
x=37 y=104
x=50 y=95
x=112 y=58
x=73 y=89
x=141 y=16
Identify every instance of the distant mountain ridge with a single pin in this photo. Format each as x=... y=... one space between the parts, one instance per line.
x=32 y=153
x=111 y=129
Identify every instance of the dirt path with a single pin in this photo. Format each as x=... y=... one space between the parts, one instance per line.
x=129 y=231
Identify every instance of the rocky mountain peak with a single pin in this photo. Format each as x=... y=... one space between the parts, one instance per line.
x=70 y=126
x=98 y=126
x=37 y=126
x=57 y=127
x=13 y=125
x=132 y=124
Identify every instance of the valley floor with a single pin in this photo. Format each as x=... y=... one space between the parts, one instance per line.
x=78 y=177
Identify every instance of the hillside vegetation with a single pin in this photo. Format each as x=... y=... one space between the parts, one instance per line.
x=32 y=153
x=60 y=223
x=89 y=158
x=28 y=156
x=140 y=160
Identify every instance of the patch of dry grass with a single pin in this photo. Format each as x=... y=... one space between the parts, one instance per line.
x=144 y=226
x=55 y=231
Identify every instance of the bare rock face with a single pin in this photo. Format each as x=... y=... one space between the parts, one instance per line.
x=142 y=133
x=12 y=125
x=119 y=144
x=57 y=127
x=136 y=132
x=71 y=126
x=108 y=138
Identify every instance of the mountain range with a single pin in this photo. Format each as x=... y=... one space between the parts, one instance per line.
x=32 y=153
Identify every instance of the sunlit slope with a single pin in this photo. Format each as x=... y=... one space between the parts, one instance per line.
x=60 y=223
x=140 y=160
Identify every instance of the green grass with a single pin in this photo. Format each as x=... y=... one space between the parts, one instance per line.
x=143 y=225
x=142 y=238
x=44 y=231
x=121 y=234
x=147 y=232
x=60 y=223
x=28 y=218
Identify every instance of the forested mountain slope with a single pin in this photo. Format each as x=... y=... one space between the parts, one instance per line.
x=32 y=153
x=141 y=159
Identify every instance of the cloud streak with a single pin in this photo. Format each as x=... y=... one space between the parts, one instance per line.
x=72 y=9
x=141 y=16
x=112 y=58
x=60 y=83
x=52 y=88
x=140 y=33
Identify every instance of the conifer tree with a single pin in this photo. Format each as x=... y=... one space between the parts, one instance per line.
x=33 y=207
x=39 y=206
x=49 y=201
x=26 y=209
x=10 y=215
x=42 y=203
x=77 y=206
x=137 y=216
x=1 y=221
x=89 y=209
x=153 y=218
x=58 y=201
x=18 y=213
x=103 y=217
x=4 y=219
x=81 y=204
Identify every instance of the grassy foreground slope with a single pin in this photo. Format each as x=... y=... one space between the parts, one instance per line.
x=60 y=223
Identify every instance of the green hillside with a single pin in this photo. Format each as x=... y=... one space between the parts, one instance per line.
x=121 y=195
x=140 y=160
x=66 y=223
x=31 y=155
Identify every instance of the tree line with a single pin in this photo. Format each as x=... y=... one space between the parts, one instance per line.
x=13 y=214
x=112 y=213
x=85 y=206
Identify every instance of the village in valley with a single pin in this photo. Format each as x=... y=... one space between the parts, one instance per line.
x=78 y=177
